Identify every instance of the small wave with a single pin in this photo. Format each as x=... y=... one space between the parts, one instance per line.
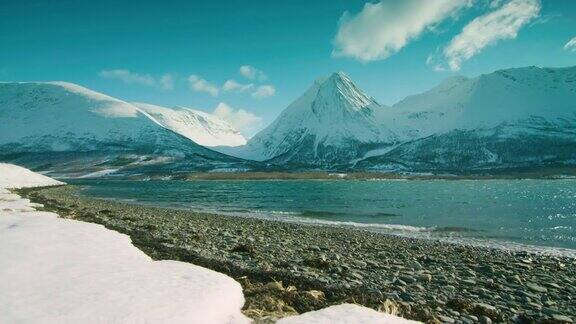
x=273 y=212
x=313 y=213
x=454 y=229
x=128 y=200
x=506 y=245
x=387 y=215
x=556 y=228
x=388 y=180
x=430 y=233
x=307 y=218
x=393 y=227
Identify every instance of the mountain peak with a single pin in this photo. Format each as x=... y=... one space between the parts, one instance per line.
x=339 y=91
x=339 y=75
x=335 y=77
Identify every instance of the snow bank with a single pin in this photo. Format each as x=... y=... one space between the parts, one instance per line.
x=59 y=270
x=344 y=314
x=13 y=176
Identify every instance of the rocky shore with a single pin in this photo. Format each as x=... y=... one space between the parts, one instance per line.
x=290 y=268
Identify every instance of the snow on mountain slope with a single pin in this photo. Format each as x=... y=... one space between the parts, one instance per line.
x=522 y=117
x=57 y=116
x=510 y=118
x=333 y=122
x=50 y=124
x=201 y=127
x=519 y=117
x=490 y=100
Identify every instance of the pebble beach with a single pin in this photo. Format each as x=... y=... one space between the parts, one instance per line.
x=288 y=268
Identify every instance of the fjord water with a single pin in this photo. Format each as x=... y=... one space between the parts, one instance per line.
x=501 y=212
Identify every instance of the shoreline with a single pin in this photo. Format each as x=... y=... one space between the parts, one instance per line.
x=506 y=246
x=288 y=268
x=553 y=174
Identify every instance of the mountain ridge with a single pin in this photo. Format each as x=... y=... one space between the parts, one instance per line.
x=202 y=128
x=433 y=130
x=477 y=123
x=510 y=118
x=53 y=126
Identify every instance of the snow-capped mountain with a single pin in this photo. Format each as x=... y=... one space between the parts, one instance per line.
x=509 y=119
x=73 y=123
x=514 y=118
x=203 y=128
x=491 y=99
x=522 y=117
x=332 y=123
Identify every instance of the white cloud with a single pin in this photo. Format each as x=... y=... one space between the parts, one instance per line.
x=128 y=77
x=571 y=45
x=381 y=29
x=245 y=122
x=167 y=82
x=486 y=30
x=264 y=91
x=198 y=84
x=252 y=73
x=546 y=18
x=232 y=85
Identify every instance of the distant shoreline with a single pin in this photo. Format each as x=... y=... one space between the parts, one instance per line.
x=337 y=175
x=287 y=268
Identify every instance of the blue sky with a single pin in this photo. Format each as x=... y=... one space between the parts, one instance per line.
x=135 y=50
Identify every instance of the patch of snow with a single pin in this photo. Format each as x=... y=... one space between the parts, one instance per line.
x=229 y=170
x=490 y=156
x=154 y=160
x=98 y=174
x=345 y=314
x=15 y=177
x=376 y=152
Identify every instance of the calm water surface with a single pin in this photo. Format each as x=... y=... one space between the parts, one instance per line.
x=533 y=212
